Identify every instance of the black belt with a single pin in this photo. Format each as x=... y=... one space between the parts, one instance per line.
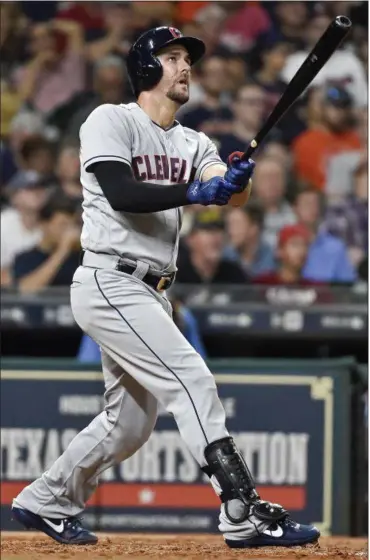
x=159 y=283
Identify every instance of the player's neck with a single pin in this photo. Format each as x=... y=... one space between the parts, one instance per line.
x=159 y=110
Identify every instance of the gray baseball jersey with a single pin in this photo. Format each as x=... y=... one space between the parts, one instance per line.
x=178 y=155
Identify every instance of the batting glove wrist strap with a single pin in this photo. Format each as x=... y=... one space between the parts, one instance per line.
x=215 y=191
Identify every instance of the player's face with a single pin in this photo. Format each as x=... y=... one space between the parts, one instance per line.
x=176 y=73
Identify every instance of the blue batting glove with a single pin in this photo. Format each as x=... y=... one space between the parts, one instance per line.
x=239 y=171
x=215 y=191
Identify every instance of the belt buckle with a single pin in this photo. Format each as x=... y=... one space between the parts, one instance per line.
x=164 y=283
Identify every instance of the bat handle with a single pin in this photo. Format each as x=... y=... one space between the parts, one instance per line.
x=249 y=151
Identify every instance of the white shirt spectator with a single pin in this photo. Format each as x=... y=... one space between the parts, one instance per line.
x=342 y=68
x=15 y=237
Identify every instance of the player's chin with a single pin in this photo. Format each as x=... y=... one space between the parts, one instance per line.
x=179 y=96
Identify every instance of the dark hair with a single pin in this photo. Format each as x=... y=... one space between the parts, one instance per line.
x=360 y=168
x=203 y=63
x=34 y=144
x=255 y=213
x=306 y=189
x=247 y=83
x=57 y=203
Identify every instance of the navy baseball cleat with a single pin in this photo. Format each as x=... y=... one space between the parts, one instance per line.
x=283 y=533
x=65 y=531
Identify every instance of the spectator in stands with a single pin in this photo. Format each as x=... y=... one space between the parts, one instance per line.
x=20 y=225
x=201 y=261
x=362 y=52
x=327 y=259
x=237 y=74
x=89 y=15
x=11 y=54
x=248 y=112
x=55 y=258
x=348 y=219
x=210 y=115
x=12 y=39
x=68 y=172
x=290 y=20
x=343 y=67
x=114 y=37
x=210 y=20
x=245 y=23
x=273 y=58
x=342 y=166
x=152 y=14
x=279 y=151
x=37 y=12
x=244 y=229
x=109 y=86
x=24 y=126
x=269 y=187
x=37 y=154
x=291 y=252
x=312 y=149
x=56 y=71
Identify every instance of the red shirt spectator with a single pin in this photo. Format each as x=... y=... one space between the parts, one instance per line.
x=292 y=251
x=87 y=14
x=274 y=279
x=245 y=25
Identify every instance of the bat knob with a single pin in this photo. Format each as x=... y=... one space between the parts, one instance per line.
x=343 y=21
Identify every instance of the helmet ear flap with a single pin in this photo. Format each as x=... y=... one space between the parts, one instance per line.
x=145 y=71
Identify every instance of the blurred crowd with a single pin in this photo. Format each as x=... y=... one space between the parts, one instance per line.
x=307 y=221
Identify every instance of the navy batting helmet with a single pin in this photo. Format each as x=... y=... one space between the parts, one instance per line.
x=144 y=68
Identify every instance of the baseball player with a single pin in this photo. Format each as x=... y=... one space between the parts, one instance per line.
x=139 y=167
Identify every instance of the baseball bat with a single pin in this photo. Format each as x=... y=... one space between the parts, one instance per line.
x=320 y=54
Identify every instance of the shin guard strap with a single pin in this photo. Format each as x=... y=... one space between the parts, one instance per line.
x=230 y=470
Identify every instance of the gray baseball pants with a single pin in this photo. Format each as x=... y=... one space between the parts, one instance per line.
x=146 y=360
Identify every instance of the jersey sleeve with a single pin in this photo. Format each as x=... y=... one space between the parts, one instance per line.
x=206 y=156
x=105 y=136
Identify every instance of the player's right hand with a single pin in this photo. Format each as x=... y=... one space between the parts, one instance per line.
x=216 y=191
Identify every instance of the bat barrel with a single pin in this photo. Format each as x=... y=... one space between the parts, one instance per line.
x=324 y=48
x=343 y=21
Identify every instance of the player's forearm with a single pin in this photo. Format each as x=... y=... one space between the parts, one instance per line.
x=216 y=170
x=126 y=194
x=43 y=275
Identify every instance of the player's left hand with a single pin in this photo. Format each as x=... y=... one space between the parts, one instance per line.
x=239 y=172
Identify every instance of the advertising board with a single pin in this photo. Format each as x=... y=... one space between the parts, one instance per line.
x=285 y=424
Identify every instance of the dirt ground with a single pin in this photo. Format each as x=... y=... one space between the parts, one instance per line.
x=33 y=546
